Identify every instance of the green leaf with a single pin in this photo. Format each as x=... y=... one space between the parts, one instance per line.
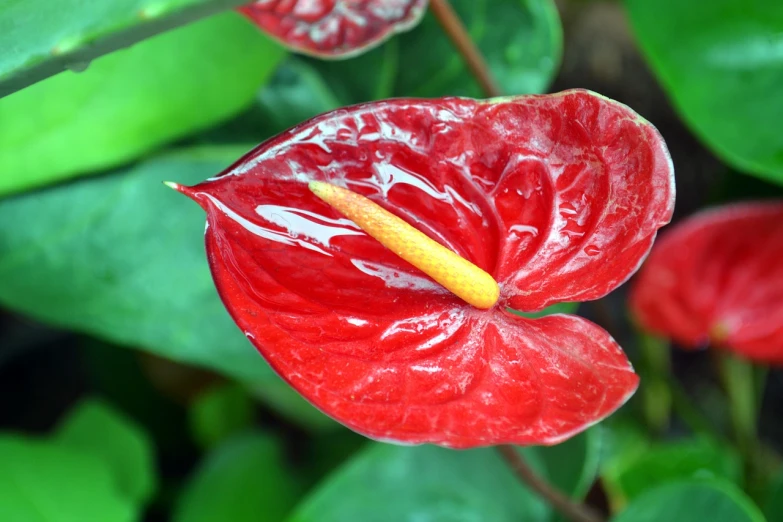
x=94 y=427
x=122 y=257
x=395 y=483
x=625 y=441
x=572 y=466
x=295 y=93
x=118 y=376
x=720 y=61
x=690 y=459
x=46 y=482
x=520 y=39
x=773 y=506
x=692 y=501
x=279 y=395
x=38 y=41
x=328 y=451
x=392 y=483
x=133 y=101
x=243 y=480
x=220 y=412
x=126 y=263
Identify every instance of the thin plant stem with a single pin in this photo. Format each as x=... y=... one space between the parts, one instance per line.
x=664 y=394
x=656 y=392
x=458 y=34
x=574 y=511
x=742 y=390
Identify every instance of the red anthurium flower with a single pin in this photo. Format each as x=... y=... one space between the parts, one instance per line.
x=334 y=28
x=717 y=278
x=553 y=198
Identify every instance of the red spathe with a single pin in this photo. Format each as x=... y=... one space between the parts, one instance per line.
x=334 y=28
x=718 y=278
x=559 y=197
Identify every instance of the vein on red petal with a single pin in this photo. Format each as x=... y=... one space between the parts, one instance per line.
x=395 y=154
x=580 y=199
x=560 y=197
x=452 y=376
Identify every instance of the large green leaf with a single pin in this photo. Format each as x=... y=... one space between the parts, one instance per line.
x=395 y=483
x=521 y=40
x=39 y=41
x=392 y=483
x=295 y=93
x=132 y=101
x=94 y=427
x=243 y=480
x=220 y=412
x=694 y=458
x=277 y=394
x=721 y=63
x=47 y=482
x=572 y=466
x=692 y=501
x=122 y=257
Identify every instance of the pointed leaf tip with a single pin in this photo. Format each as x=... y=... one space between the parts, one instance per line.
x=183 y=189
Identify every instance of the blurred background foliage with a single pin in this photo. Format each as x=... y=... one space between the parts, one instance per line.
x=128 y=393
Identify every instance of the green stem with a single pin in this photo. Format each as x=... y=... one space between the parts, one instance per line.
x=573 y=511
x=742 y=388
x=93 y=49
x=456 y=31
x=655 y=388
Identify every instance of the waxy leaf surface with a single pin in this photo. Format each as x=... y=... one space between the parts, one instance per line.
x=244 y=479
x=96 y=428
x=392 y=483
x=717 y=278
x=334 y=28
x=132 y=102
x=720 y=62
x=39 y=41
x=521 y=41
x=558 y=197
x=692 y=501
x=93 y=257
x=43 y=481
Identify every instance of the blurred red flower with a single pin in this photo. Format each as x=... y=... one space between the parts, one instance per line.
x=717 y=278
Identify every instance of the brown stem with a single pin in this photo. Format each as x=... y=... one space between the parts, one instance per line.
x=459 y=36
x=576 y=512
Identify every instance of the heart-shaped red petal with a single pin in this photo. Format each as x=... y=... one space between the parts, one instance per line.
x=377 y=344
x=453 y=376
x=718 y=278
x=334 y=28
x=580 y=185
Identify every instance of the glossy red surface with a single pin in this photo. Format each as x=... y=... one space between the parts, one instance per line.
x=334 y=28
x=558 y=197
x=717 y=278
